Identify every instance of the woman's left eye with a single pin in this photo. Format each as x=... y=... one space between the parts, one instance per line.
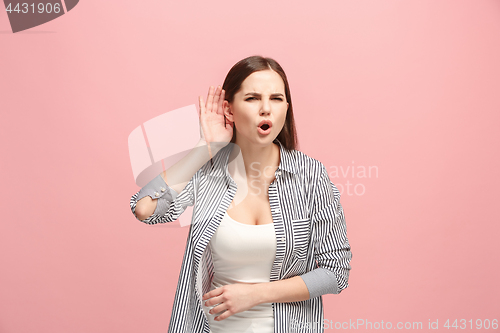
x=276 y=98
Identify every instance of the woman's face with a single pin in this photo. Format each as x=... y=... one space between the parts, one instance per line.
x=261 y=96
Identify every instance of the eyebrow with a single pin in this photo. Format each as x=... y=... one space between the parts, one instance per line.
x=257 y=94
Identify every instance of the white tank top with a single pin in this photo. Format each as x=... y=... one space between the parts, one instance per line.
x=242 y=253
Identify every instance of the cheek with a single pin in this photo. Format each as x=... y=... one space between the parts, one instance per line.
x=283 y=118
x=243 y=120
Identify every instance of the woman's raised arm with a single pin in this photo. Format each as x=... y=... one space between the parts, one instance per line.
x=157 y=195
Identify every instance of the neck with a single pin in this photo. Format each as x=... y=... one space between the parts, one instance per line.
x=261 y=161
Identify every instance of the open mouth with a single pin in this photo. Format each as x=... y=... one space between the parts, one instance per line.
x=264 y=127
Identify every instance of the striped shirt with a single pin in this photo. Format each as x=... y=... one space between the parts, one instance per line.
x=310 y=233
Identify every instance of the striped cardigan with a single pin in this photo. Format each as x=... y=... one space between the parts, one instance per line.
x=310 y=232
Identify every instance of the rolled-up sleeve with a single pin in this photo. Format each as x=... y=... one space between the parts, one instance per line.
x=329 y=236
x=170 y=204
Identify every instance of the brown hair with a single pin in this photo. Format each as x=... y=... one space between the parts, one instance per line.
x=240 y=71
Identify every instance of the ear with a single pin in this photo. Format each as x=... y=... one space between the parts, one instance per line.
x=227 y=110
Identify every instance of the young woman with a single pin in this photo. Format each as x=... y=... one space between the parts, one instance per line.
x=268 y=234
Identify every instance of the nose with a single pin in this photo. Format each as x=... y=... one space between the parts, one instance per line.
x=266 y=107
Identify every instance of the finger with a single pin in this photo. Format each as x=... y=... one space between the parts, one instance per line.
x=202 y=107
x=212 y=293
x=223 y=316
x=210 y=99
x=216 y=98
x=218 y=309
x=219 y=303
x=215 y=101
x=229 y=122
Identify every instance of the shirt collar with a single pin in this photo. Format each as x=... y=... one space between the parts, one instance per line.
x=220 y=160
x=287 y=161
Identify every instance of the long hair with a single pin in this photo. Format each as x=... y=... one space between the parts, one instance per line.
x=240 y=71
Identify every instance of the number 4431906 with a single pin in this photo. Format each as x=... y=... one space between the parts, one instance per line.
x=41 y=8
x=478 y=324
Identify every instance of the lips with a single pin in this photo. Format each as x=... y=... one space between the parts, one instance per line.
x=264 y=127
x=265 y=124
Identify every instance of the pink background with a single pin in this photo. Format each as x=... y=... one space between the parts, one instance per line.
x=409 y=87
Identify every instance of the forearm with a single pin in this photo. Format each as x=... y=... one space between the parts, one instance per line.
x=179 y=174
x=293 y=289
x=176 y=177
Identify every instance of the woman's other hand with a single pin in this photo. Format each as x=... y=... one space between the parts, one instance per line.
x=214 y=127
x=234 y=298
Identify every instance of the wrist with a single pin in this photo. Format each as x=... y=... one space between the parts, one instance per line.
x=212 y=148
x=262 y=292
x=201 y=143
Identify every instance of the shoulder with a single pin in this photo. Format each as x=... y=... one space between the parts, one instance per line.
x=307 y=166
